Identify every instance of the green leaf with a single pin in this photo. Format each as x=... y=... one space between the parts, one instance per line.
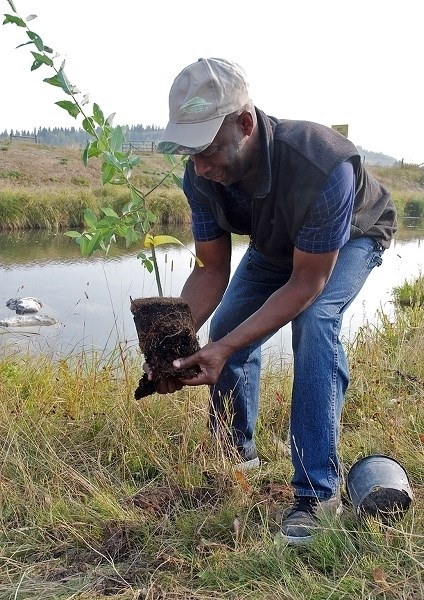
x=15 y=20
x=89 y=151
x=60 y=80
x=102 y=143
x=35 y=65
x=109 y=212
x=41 y=58
x=53 y=81
x=108 y=224
x=134 y=160
x=90 y=218
x=30 y=18
x=112 y=160
x=151 y=216
x=36 y=40
x=93 y=244
x=88 y=125
x=72 y=234
x=65 y=84
x=136 y=196
x=108 y=172
x=117 y=138
x=127 y=207
x=131 y=237
x=83 y=244
x=178 y=180
x=21 y=45
x=71 y=107
x=146 y=262
x=98 y=115
x=170 y=158
x=109 y=120
x=85 y=155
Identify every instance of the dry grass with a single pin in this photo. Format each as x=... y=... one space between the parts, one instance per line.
x=49 y=188
x=101 y=496
x=33 y=165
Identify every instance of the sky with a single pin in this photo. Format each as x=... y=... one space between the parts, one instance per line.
x=330 y=61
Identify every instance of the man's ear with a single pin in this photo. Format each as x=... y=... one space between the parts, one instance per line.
x=246 y=121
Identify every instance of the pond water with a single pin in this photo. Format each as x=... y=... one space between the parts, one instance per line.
x=90 y=297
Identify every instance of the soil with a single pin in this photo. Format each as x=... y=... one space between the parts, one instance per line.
x=388 y=504
x=166 y=331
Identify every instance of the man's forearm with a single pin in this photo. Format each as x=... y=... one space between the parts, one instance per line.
x=203 y=291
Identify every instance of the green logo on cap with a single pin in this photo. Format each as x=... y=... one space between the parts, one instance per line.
x=195 y=105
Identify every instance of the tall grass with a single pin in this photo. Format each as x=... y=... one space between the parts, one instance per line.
x=102 y=496
x=406 y=184
x=57 y=209
x=43 y=187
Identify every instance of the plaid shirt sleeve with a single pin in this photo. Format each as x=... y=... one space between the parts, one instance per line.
x=203 y=224
x=327 y=227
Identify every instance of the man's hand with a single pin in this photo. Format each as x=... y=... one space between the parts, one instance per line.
x=211 y=360
x=163 y=386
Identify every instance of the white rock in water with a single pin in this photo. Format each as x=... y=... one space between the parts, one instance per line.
x=28 y=321
x=25 y=305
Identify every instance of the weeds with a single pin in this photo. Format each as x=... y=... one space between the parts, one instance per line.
x=410 y=293
x=102 y=496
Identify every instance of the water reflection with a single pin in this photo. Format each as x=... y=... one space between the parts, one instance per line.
x=90 y=296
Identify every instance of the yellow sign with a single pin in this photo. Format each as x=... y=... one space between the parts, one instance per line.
x=343 y=129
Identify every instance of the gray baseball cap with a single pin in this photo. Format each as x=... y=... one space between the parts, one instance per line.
x=199 y=100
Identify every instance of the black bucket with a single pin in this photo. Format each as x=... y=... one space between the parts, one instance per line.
x=378 y=486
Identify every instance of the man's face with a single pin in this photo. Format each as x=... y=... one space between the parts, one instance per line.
x=225 y=159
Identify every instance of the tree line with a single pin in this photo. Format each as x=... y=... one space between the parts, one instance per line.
x=63 y=136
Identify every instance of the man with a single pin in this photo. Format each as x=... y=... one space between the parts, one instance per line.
x=318 y=224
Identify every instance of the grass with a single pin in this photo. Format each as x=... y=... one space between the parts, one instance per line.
x=47 y=187
x=410 y=293
x=101 y=496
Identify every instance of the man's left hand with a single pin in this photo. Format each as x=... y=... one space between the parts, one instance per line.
x=211 y=360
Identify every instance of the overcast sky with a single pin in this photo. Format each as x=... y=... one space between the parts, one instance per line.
x=329 y=61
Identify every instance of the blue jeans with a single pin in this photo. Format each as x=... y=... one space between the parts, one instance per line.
x=320 y=376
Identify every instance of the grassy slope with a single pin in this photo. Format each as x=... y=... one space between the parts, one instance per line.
x=42 y=186
x=43 y=179
x=24 y=164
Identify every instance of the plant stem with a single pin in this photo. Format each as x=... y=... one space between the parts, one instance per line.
x=156 y=268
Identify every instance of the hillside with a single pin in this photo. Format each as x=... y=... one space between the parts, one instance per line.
x=63 y=137
x=376 y=158
x=25 y=164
